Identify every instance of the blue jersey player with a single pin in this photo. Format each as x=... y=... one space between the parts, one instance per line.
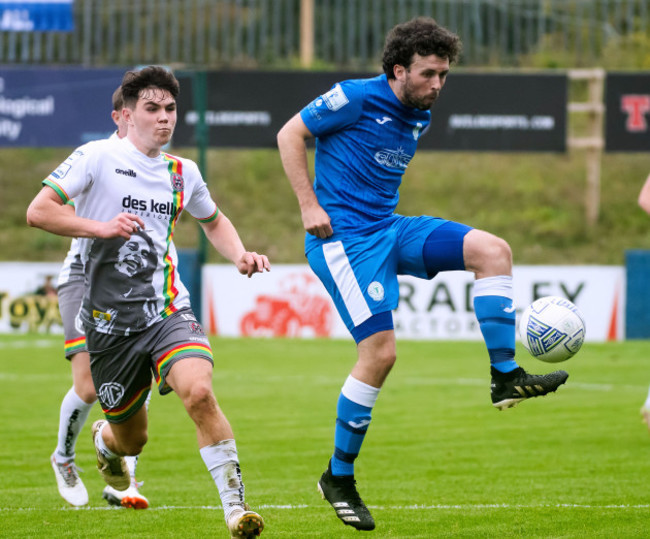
x=366 y=133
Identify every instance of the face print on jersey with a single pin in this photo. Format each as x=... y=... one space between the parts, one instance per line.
x=126 y=269
x=133 y=256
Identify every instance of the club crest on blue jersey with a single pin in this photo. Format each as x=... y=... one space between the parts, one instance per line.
x=376 y=290
x=335 y=98
x=178 y=184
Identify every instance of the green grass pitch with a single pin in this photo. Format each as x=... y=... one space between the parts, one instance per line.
x=438 y=460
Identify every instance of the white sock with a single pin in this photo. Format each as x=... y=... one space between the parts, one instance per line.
x=647 y=401
x=223 y=464
x=101 y=445
x=360 y=392
x=131 y=464
x=73 y=415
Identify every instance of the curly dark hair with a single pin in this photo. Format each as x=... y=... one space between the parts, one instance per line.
x=423 y=36
x=134 y=82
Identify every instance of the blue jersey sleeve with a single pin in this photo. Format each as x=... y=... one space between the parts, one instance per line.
x=337 y=109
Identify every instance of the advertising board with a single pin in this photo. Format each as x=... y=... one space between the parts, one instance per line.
x=475 y=111
x=291 y=302
x=627 y=104
x=56 y=107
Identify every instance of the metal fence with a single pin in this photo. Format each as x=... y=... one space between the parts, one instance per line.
x=327 y=34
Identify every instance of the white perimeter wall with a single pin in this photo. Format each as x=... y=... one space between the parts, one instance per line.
x=290 y=301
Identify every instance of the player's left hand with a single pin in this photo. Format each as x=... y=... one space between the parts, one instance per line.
x=251 y=262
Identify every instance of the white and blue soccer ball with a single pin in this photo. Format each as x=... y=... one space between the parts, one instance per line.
x=552 y=329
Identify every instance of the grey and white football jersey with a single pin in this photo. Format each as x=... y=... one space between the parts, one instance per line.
x=131 y=283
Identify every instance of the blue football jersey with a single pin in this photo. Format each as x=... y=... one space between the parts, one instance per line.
x=365 y=138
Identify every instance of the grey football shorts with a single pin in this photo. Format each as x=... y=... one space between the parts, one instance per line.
x=70 y=295
x=122 y=366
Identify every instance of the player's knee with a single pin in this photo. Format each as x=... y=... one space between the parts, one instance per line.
x=85 y=390
x=501 y=250
x=495 y=255
x=87 y=395
x=386 y=358
x=200 y=399
x=135 y=445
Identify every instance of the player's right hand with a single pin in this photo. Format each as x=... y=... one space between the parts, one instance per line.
x=123 y=225
x=317 y=222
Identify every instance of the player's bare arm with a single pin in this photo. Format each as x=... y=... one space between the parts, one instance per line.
x=644 y=196
x=48 y=212
x=223 y=236
x=293 y=152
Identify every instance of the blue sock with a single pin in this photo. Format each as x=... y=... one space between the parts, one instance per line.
x=496 y=317
x=352 y=424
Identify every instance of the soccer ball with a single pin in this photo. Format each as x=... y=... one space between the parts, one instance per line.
x=552 y=329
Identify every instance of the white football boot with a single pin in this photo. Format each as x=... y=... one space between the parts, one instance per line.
x=70 y=485
x=244 y=523
x=129 y=498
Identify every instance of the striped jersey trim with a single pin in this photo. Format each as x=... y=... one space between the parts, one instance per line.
x=115 y=415
x=210 y=218
x=182 y=350
x=58 y=189
x=74 y=345
x=170 y=292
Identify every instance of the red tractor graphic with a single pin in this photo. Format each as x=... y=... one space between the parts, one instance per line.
x=295 y=311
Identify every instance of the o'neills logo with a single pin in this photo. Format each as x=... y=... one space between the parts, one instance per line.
x=177 y=182
x=126 y=172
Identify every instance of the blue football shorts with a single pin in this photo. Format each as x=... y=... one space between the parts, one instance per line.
x=360 y=272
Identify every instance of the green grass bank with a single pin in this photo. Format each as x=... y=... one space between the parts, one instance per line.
x=535 y=201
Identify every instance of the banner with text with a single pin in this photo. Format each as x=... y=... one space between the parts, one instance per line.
x=291 y=302
x=56 y=107
x=475 y=111
x=36 y=16
x=500 y=112
x=627 y=105
x=28 y=301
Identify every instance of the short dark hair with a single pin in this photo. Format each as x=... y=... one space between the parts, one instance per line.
x=118 y=102
x=423 y=36
x=134 y=82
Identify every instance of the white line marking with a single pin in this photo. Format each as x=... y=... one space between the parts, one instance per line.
x=417 y=507
x=483 y=381
x=39 y=343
